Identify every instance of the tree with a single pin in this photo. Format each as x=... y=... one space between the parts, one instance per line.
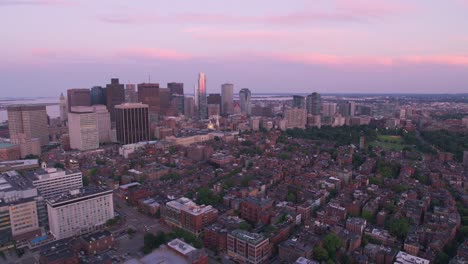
x=399 y=227
x=85 y=181
x=59 y=165
x=245 y=226
x=320 y=254
x=206 y=196
x=332 y=243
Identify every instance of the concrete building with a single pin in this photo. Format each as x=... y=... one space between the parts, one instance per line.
x=213 y=110
x=328 y=109
x=115 y=95
x=52 y=182
x=186 y=214
x=255 y=209
x=83 y=128
x=296 y=118
x=200 y=96
x=79 y=212
x=227 y=98
x=103 y=123
x=246 y=247
x=189 y=107
x=28 y=122
x=405 y=258
x=78 y=97
x=98 y=95
x=465 y=158
x=245 y=101
x=131 y=95
x=132 y=123
x=314 y=103
x=63 y=108
x=9 y=151
x=149 y=94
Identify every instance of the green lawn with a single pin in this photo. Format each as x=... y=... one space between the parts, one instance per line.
x=389 y=143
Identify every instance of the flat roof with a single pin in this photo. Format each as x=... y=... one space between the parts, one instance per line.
x=6 y=145
x=180 y=246
x=77 y=195
x=252 y=238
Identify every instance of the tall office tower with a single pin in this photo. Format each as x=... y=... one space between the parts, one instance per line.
x=329 y=109
x=165 y=100
x=132 y=123
x=148 y=93
x=352 y=108
x=28 y=122
x=115 y=95
x=83 y=128
x=177 y=103
x=347 y=109
x=189 y=107
x=299 y=102
x=213 y=110
x=18 y=209
x=131 y=95
x=201 y=96
x=227 y=98
x=295 y=117
x=51 y=182
x=245 y=103
x=176 y=88
x=98 y=95
x=314 y=103
x=214 y=99
x=79 y=212
x=63 y=108
x=103 y=123
x=78 y=97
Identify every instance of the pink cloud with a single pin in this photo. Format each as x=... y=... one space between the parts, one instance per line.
x=152 y=53
x=34 y=2
x=245 y=35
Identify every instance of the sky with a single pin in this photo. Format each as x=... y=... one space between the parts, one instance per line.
x=268 y=46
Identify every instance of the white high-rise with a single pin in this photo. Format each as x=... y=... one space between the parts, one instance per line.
x=51 y=181
x=227 y=98
x=103 y=122
x=83 y=128
x=79 y=212
x=63 y=108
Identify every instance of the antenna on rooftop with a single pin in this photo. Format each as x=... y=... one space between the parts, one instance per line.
x=149 y=78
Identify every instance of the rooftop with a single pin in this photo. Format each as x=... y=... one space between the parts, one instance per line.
x=4 y=145
x=405 y=258
x=187 y=205
x=252 y=238
x=89 y=192
x=96 y=236
x=180 y=246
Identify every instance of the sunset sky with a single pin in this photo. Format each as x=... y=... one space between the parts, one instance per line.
x=379 y=46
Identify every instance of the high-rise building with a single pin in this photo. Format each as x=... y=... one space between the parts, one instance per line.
x=213 y=110
x=246 y=247
x=98 y=95
x=131 y=95
x=27 y=123
x=63 y=108
x=186 y=214
x=245 y=101
x=176 y=88
x=299 y=102
x=165 y=100
x=78 y=97
x=103 y=123
x=189 y=107
x=214 y=99
x=51 y=182
x=79 y=212
x=295 y=118
x=148 y=93
x=115 y=95
x=347 y=109
x=201 y=96
x=314 y=103
x=328 y=109
x=83 y=128
x=178 y=103
x=227 y=98
x=132 y=123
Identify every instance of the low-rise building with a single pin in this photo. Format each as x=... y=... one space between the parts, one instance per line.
x=246 y=247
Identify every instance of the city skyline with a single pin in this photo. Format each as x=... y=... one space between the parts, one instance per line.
x=328 y=46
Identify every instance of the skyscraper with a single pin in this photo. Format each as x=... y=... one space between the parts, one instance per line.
x=83 y=128
x=189 y=107
x=132 y=123
x=299 y=102
x=98 y=95
x=78 y=97
x=314 y=103
x=130 y=93
x=63 y=108
x=149 y=94
x=227 y=98
x=28 y=122
x=176 y=88
x=245 y=103
x=201 y=96
x=103 y=123
x=115 y=95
